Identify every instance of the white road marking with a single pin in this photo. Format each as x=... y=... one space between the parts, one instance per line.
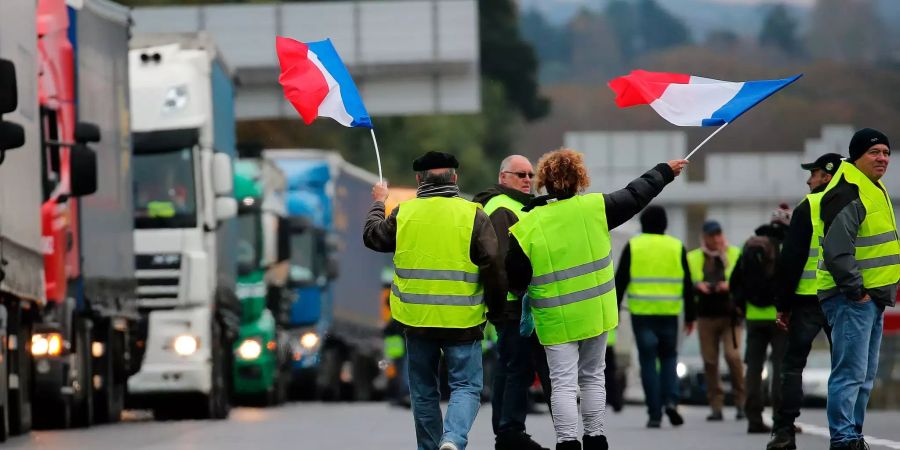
x=816 y=430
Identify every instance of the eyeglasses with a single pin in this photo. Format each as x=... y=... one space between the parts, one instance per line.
x=521 y=174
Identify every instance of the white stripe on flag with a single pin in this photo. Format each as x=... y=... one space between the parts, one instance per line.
x=333 y=104
x=689 y=104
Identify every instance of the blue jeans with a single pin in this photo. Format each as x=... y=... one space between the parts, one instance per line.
x=465 y=376
x=657 y=341
x=856 y=330
x=514 y=375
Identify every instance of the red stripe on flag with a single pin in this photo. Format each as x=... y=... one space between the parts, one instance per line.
x=303 y=83
x=641 y=87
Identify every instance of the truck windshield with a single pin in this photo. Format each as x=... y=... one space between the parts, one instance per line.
x=303 y=258
x=164 y=190
x=248 y=242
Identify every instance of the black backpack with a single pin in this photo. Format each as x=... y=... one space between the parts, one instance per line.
x=758 y=261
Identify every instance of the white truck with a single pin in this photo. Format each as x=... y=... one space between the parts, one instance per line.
x=182 y=104
x=21 y=259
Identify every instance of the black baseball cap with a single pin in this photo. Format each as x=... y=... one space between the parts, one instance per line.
x=828 y=163
x=711 y=227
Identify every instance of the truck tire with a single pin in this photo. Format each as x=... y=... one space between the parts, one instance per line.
x=83 y=397
x=109 y=396
x=362 y=377
x=216 y=405
x=20 y=365
x=4 y=378
x=328 y=378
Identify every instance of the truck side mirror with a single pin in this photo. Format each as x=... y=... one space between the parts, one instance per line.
x=83 y=162
x=86 y=132
x=226 y=208
x=12 y=135
x=9 y=98
x=223 y=174
x=284 y=240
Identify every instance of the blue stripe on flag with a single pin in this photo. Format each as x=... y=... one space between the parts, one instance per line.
x=749 y=96
x=329 y=58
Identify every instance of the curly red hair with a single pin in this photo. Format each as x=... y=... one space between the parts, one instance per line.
x=562 y=172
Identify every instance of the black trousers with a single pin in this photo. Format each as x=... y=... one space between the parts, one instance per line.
x=519 y=358
x=761 y=334
x=807 y=320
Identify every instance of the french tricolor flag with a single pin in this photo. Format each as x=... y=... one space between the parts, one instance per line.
x=317 y=83
x=688 y=100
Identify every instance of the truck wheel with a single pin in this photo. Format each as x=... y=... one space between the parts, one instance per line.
x=19 y=373
x=109 y=393
x=4 y=378
x=83 y=398
x=328 y=382
x=216 y=405
x=362 y=378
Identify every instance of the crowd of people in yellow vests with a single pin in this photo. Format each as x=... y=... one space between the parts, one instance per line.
x=538 y=270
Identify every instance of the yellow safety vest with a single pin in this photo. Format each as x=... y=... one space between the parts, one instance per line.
x=505 y=201
x=572 y=290
x=656 y=287
x=877 y=244
x=807 y=284
x=435 y=282
x=695 y=263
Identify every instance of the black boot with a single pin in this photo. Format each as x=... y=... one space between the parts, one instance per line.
x=595 y=442
x=568 y=445
x=516 y=440
x=782 y=439
x=674 y=416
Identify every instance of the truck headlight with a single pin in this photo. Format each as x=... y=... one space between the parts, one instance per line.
x=176 y=98
x=309 y=340
x=46 y=344
x=185 y=345
x=249 y=349
x=681 y=370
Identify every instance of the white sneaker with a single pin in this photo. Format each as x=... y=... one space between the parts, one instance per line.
x=448 y=446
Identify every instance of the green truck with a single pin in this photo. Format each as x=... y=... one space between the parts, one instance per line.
x=262 y=361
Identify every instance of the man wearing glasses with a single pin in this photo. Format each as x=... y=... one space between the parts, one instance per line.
x=503 y=203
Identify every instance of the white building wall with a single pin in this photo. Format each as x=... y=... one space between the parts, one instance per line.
x=740 y=190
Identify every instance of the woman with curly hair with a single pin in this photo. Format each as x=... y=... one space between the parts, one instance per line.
x=560 y=254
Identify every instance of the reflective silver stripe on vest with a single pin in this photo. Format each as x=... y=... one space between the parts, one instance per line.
x=574 y=297
x=880 y=261
x=438 y=300
x=808 y=275
x=654 y=297
x=572 y=272
x=882 y=238
x=440 y=275
x=813 y=252
x=657 y=280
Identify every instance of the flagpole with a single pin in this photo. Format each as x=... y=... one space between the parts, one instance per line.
x=377 y=155
x=704 y=141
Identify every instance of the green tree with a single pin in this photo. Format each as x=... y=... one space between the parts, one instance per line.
x=779 y=29
x=507 y=58
x=644 y=26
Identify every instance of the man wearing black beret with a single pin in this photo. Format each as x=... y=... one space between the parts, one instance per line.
x=446 y=272
x=858 y=270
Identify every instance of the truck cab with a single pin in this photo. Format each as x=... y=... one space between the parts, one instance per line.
x=182 y=104
x=261 y=370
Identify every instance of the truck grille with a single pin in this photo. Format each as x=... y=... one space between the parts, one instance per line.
x=158 y=278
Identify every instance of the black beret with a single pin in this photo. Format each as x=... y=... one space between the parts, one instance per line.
x=435 y=160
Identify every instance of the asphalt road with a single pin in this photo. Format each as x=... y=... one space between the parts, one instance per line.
x=345 y=426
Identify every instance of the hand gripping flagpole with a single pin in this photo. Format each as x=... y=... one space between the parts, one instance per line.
x=704 y=141
x=377 y=155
